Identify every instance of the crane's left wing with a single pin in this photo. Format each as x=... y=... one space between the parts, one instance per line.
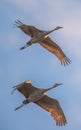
x=25 y=89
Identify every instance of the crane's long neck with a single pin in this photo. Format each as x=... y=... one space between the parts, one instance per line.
x=58 y=27
x=54 y=86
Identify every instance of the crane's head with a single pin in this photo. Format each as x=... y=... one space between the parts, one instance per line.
x=58 y=27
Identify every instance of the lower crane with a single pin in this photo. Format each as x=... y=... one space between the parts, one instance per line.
x=39 y=97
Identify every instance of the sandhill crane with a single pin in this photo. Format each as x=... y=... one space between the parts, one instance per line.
x=39 y=97
x=41 y=37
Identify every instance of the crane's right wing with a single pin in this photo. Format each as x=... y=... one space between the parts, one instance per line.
x=27 y=29
x=53 y=107
x=52 y=47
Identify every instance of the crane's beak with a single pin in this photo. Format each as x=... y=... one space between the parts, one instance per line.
x=56 y=85
x=58 y=27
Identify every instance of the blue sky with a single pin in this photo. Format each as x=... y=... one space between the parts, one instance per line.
x=37 y=64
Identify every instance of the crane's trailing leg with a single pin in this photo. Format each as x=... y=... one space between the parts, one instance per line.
x=19 y=107
x=29 y=43
x=23 y=104
x=22 y=48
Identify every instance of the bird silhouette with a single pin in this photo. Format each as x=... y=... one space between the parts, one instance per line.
x=41 y=37
x=39 y=97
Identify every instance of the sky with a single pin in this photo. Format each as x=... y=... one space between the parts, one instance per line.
x=37 y=64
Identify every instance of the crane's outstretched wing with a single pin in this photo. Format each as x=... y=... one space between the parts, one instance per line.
x=27 y=29
x=53 y=107
x=25 y=89
x=52 y=47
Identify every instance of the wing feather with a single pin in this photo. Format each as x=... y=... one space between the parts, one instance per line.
x=25 y=89
x=27 y=29
x=53 y=107
x=52 y=47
